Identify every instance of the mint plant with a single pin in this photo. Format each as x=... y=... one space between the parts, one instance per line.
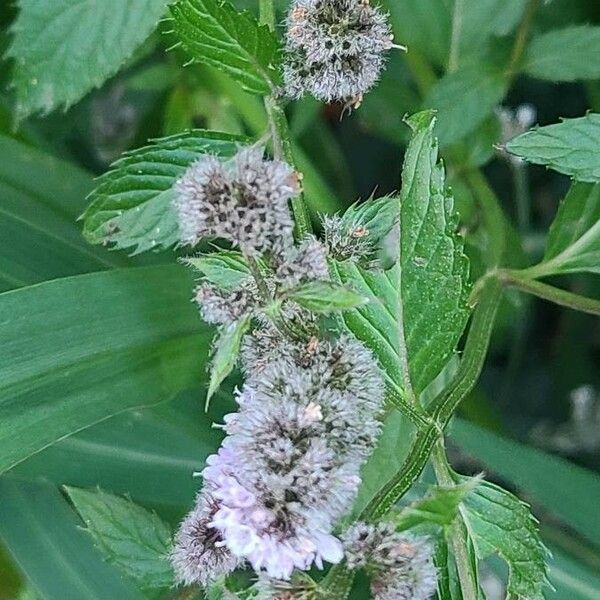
x=330 y=350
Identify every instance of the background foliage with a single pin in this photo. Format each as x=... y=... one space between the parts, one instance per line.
x=102 y=356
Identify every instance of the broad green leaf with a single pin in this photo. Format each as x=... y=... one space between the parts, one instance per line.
x=570 y=147
x=499 y=523
x=326 y=296
x=560 y=55
x=439 y=506
x=215 y=33
x=45 y=539
x=131 y=538
x=464 y=99
x=64 y=48
x=565 y=489
x=149 y=454
x=573 y=243
x=571 y=579
x=78 y=350
x=131 y=205
x=225 y=269
x=226 y=352
x=40 y=199
x=418 y=308
x=387 y=458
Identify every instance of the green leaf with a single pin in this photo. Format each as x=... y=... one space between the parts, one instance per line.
x=418 y=309
x=44 y=537
x=376 y=216
x=387 y=458
x=78 y=350
x=440 y=506
x=64 y=48
x=464 y=99
x=226 y=353
x=40 y=198
x=326 y=296
x=500 y=523
x=131 y=205
x=565 y=489
x=129 y=537
x=226 y=268
x=571 y=579
x=573 y=243
x=162 y=445
x=560 y=55
x=570 y=147
x=215 y=33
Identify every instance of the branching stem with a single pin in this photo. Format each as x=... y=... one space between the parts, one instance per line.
x=280 y=132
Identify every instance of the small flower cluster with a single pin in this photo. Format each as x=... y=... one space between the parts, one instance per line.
x=244 y=200
x=289 y=466
x=335 y=49
x=512 y=124
x=345 y=242
x=401 y=566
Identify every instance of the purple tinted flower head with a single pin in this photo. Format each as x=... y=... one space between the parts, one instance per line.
x=400 y=565
x=223 y=307
x=244 y=200
x=199 y=555
x=335 y=49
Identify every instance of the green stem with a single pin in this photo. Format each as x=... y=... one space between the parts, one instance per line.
x=444 y=405
x=459 y=537
x=522 y=196
x=521 y=281
x=522 y=38
x=414 y=411
x=280 y=132
x=338 y=582
x=457 y=22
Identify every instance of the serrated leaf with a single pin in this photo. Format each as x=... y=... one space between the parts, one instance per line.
x=573 y=243
x=44 y=536
x=129 y=537
x=64 y=48
x=570 y=147
x=215 y=33
x=559 y=55
x=499 y=523
x=565 y=489
x=131 y=205
x=326 y=297
x=474 y=90
x=226 y=353
x=439 y=507
x=226 y=268
x=418 y=308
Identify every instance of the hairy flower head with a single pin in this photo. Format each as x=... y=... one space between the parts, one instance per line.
x=351 y=242
x=244 y=200
x=335 y=49
x=222 y=307
x=400 y=565
x=199 y=555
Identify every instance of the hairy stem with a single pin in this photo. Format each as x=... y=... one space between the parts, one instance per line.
x=457 y=22
x=458 y=533
x=521 y=281
x=280 y=132
x=338 y=581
